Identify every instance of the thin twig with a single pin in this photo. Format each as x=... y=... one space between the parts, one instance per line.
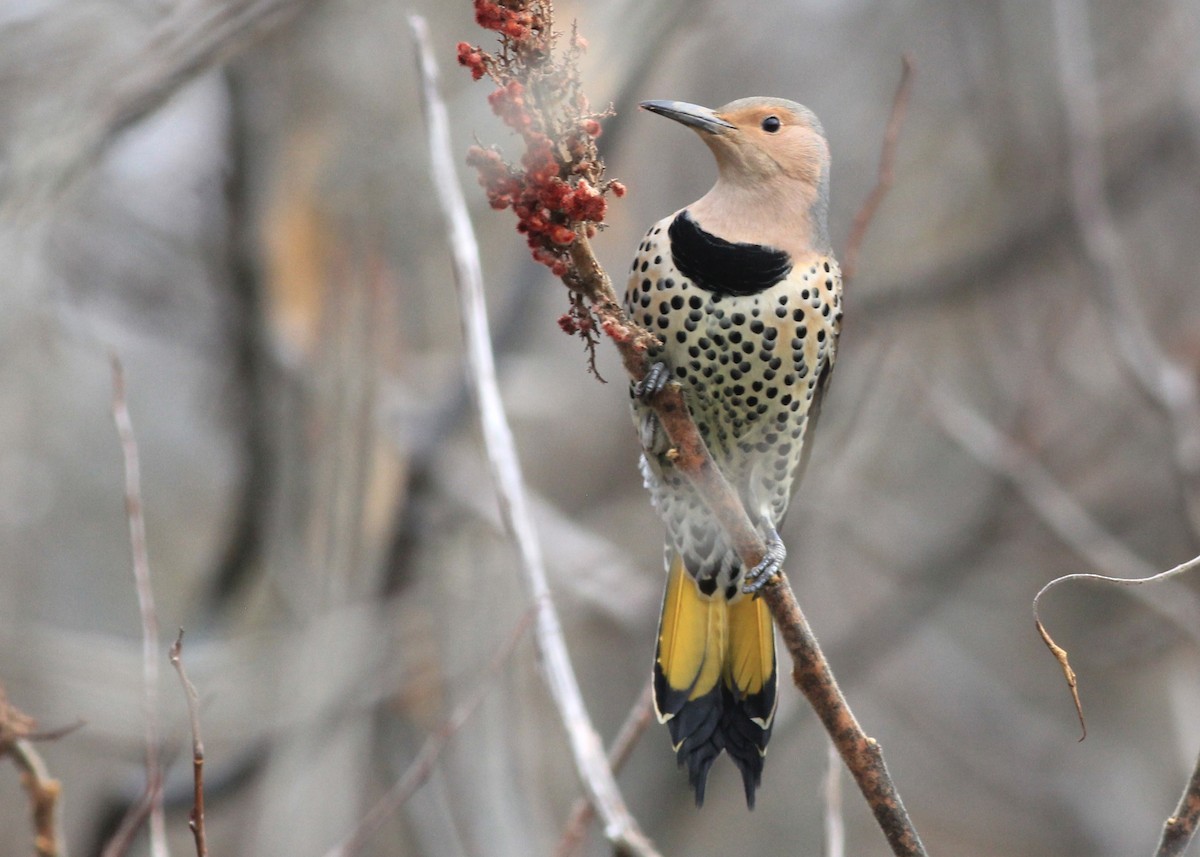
x=196 y=821
x=631 y=731
x=1060 y=653
x=1167 y=383
x=887 y=170
x=835 y=826
x=619 y=825
x=150 y=639
x=422 y=766
x=1181 y=826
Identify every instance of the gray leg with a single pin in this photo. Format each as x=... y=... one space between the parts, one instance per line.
x=656 y=378
x=767 y=570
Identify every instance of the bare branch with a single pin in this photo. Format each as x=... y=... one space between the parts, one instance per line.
x=887 y=171
x=631 y=731
x=423 y=765
x=196 y=821
x=1167 y=383
x=619 y=825
x=150 y=639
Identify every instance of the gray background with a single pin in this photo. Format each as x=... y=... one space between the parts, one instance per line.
x=248 y=222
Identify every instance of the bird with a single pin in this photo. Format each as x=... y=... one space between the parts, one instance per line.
x=744 y=295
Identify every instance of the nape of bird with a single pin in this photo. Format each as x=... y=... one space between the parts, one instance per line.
x=744 y=295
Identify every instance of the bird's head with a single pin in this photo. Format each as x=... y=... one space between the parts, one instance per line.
x=767 y=149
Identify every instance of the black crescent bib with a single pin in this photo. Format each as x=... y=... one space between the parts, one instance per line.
x=724 y=267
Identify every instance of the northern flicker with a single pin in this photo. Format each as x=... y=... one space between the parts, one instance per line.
x=746 y=298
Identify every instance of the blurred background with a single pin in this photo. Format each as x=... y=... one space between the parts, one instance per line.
x=233 y=197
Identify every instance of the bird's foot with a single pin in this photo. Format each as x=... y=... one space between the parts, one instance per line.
x=652 y=384
x=770 y=567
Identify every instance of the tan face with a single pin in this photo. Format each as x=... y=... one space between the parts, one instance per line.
x=773 y=159
x=768 y=138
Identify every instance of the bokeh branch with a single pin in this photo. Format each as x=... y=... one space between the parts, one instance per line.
x=887 y=170
x=597 y=777
x=423 y=765
x=1168 y=384
x=535 y=91
x=151 y=803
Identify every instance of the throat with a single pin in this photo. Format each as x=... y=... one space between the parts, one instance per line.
x=724 y=267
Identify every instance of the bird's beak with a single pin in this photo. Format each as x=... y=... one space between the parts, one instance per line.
x=693 y=115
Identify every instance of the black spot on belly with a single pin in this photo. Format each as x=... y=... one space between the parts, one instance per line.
x=724 y=267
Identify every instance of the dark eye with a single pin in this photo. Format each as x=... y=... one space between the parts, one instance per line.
x=771 y=124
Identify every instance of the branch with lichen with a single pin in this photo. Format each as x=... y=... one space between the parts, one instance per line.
x=558 y=191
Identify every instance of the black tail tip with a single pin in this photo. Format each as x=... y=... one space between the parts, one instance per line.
x=698 y=780
x=715 y=724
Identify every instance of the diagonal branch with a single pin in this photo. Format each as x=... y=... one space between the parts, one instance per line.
x=619 y=825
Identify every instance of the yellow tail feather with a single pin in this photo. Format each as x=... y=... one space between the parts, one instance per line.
x=751 y=645
x=715 y=679
x=691 y=637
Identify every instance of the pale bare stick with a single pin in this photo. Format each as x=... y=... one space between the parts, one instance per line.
x=597 y=777
x=196 y=822
x=631 y=730
x=135 y=514
x=423 y=765
x=835 y=826
x=1170 y=385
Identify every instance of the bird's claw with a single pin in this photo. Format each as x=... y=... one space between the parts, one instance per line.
x=652 y=384
x=771 y=566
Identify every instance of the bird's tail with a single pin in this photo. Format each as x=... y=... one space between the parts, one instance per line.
x=714 y=678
